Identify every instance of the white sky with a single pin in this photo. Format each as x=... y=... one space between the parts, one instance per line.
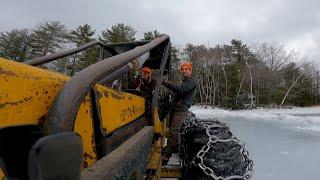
x=295 y=23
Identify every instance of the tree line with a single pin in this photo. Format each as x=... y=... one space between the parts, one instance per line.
x=239 y=76
x=53 y=36
x=233 y=75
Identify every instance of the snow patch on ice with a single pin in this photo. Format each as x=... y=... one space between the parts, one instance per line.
x=302 y=118
x=310 y=128
x=284 y=152
x=270 y=174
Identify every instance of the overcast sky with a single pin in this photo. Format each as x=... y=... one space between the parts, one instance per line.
x=296 y=23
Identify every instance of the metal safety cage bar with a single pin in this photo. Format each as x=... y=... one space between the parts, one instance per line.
x=114 y=49
x=61 y=116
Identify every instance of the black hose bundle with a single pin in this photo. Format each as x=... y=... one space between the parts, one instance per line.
x=210 y=151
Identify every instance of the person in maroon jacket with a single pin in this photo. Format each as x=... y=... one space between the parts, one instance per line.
x=146 y=84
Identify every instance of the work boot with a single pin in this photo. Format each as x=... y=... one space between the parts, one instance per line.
x=165 y=158
x=165 y=162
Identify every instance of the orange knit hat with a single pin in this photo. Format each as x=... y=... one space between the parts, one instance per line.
x=146 y=70
x=188 y=65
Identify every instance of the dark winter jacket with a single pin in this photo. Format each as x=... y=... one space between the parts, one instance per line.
x=145 y=87
x=185 y=93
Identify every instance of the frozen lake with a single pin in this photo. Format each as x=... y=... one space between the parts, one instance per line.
x=283 y=144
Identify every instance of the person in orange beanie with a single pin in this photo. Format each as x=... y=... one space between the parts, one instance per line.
x=144 y=83
x=184 y=94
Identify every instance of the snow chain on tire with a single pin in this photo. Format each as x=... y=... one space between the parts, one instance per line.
x=209 y=146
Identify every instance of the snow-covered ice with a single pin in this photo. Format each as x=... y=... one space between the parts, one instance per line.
x=299 y=117
x=283 y=143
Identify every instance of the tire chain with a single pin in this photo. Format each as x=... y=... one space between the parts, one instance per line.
x=198 y=160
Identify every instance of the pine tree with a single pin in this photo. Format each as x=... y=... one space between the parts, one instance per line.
x=79 y=36
x=150 y=35
x=15 y=44
x=118 y=33
x=47 y=38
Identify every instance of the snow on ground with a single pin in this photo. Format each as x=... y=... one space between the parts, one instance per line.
x=303 y=118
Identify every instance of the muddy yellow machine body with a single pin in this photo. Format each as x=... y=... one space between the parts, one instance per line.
x=117 y=138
